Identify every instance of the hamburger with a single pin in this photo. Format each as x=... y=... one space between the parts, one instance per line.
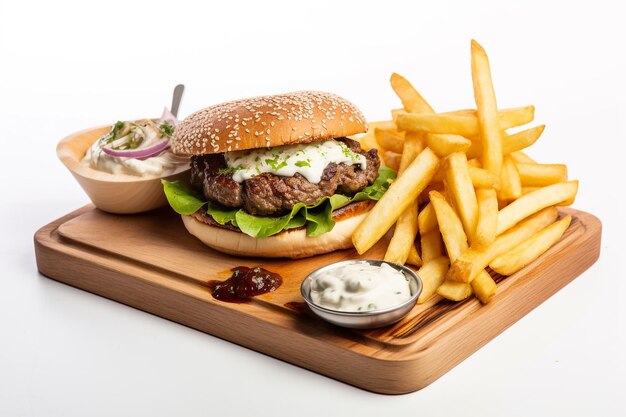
x=276 y=176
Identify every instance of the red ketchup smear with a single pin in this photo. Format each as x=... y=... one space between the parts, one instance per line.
x=244 y=284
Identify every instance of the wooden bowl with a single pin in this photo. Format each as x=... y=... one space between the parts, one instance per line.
x=114 y=193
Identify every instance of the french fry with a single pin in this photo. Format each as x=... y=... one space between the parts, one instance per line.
x=392 y=159
x=464 y=125
x=413 y=146
x=510 y=143
x=461 y=112
x=444 y=145
x=510 y=183
x=432 y=245
x=533 y=202
x=512 y=117
x=396 y=112
x=484 y=286
x=455 y=291
x=401 y=193
x=412 y=101
x=414 y=257
x=448 y=196
x=474 y=151
x=383 y=124
x=406 y=227
x=529 y=250
x=521 y=140
x=403 y=236
x=487 y=217
x=389 y=140
x=526 y=190
x=519 y=156
x=474 y=162
x=472 y=261
x=486 y=110
x=455 y=240
x=567 y=202
x=450 y=226
x=540 y=175
x=433 y=186
x=518 y=116
x=432 y=274
x=462 y=191
x=427 y=219
x=367 y=140
x=482 y=178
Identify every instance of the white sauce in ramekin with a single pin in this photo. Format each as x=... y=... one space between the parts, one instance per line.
x=360 y=286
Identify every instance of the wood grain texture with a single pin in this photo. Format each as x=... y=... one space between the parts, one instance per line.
x=150 y=262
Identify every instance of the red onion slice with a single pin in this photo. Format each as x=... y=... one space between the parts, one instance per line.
x=141 y=153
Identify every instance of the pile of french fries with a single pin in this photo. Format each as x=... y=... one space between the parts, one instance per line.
x=466 y=196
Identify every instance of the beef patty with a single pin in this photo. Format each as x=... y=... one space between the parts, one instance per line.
x=268 y=194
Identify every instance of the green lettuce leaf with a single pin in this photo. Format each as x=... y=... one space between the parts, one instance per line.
x=317 y=217
x=182 y=198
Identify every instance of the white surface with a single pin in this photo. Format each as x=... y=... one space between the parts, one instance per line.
x=66 y=65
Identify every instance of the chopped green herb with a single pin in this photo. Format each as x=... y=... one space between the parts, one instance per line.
x=117 y=127
x=371 y=306
x=166 y=130
x=303 y=164
x=274 y=164
x=112 y=135
x=225 y=171
x=229 y=170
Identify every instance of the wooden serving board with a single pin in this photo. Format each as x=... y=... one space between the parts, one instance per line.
x=150 y=262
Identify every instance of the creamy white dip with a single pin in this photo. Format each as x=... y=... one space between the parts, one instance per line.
x=139 y=148
x=360 y=286
x=309 y=160
x=163 y=164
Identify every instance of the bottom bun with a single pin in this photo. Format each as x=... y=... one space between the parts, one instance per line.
x=287 y=244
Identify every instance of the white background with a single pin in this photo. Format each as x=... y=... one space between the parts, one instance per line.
x=65 y=66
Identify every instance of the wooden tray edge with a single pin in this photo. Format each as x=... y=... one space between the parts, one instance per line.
x=165 y=302
x=442 y=358
x=388 y=376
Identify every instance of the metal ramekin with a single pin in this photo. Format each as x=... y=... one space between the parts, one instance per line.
x=363 y=319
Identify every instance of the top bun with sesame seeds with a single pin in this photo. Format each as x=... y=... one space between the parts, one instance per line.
x=267 y=121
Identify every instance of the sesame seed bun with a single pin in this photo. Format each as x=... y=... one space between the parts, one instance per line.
x=267 y=121
x=292 y=243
